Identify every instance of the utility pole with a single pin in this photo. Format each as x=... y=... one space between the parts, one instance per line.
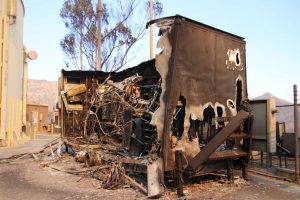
x=99 y=12
x=151 y=30
x=296 y=127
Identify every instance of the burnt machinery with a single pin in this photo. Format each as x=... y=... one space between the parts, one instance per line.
x=191 y=99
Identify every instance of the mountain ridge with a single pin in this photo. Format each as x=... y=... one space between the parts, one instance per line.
x=42 y=92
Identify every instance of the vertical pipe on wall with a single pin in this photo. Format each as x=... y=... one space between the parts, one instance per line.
x=12 y=12
x=12 y=118
x=1 y=78
x=8 y=128
x=17 y=120
x=24 y=91
x=3 y=115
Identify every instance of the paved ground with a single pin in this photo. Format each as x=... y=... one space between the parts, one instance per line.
x=29 y=146
x=250 y=190
x=25 y=179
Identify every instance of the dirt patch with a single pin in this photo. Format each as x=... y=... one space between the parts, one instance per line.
x=25 y=180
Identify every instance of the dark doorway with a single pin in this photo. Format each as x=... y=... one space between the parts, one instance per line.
x=239 y=89
x=178 y=118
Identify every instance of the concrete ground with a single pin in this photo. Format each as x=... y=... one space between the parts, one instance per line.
x=257 y=188
x=26 y=179
x=28 y=146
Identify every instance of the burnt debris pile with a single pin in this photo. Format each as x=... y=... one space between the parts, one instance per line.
x=106 y=120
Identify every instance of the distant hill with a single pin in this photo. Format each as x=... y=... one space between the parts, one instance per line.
x=285 y=114
x=42 y=92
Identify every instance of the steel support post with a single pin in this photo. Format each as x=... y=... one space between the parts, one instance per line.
x=261 y=158
x=296 y=135
x=230 y=170
x=178 y=168
x=245 y=170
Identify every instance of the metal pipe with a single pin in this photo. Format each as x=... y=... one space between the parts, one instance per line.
x=24 y=92
x=3 y=89
x=12 y=12
x=296 y=134
x=287 y=105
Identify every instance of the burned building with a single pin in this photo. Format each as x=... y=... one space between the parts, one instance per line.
x=190 y=98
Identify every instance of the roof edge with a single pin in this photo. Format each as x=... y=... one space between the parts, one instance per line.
x=23 y=7
x=36 y=104
x=193 y=21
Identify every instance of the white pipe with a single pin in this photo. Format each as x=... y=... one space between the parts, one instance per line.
x=24 y=91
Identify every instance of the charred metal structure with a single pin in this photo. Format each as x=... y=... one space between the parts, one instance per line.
x=191 y=99
x=110 y=104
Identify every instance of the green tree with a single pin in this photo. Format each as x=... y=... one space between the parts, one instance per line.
x=122 y=25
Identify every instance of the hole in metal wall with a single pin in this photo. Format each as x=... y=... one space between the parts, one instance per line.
x=219 y=111
x=178 y=118
x=237 y=58
x=230 y=104
x=195 y=129
x=238 y=94
x=209 y=122
x=220 y=121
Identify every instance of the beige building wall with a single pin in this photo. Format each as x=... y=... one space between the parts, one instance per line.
x=37 y=116
x=11 y=71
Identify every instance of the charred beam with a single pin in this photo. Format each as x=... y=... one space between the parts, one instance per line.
x=179 y=170
x=203 y=155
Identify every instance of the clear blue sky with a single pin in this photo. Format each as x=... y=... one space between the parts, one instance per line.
x=271 y=29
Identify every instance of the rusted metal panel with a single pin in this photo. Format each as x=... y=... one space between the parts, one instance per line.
x=166 y=21
x=232 y=153
x=205 y=66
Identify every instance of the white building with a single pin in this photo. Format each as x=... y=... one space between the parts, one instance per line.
x=12 y=72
